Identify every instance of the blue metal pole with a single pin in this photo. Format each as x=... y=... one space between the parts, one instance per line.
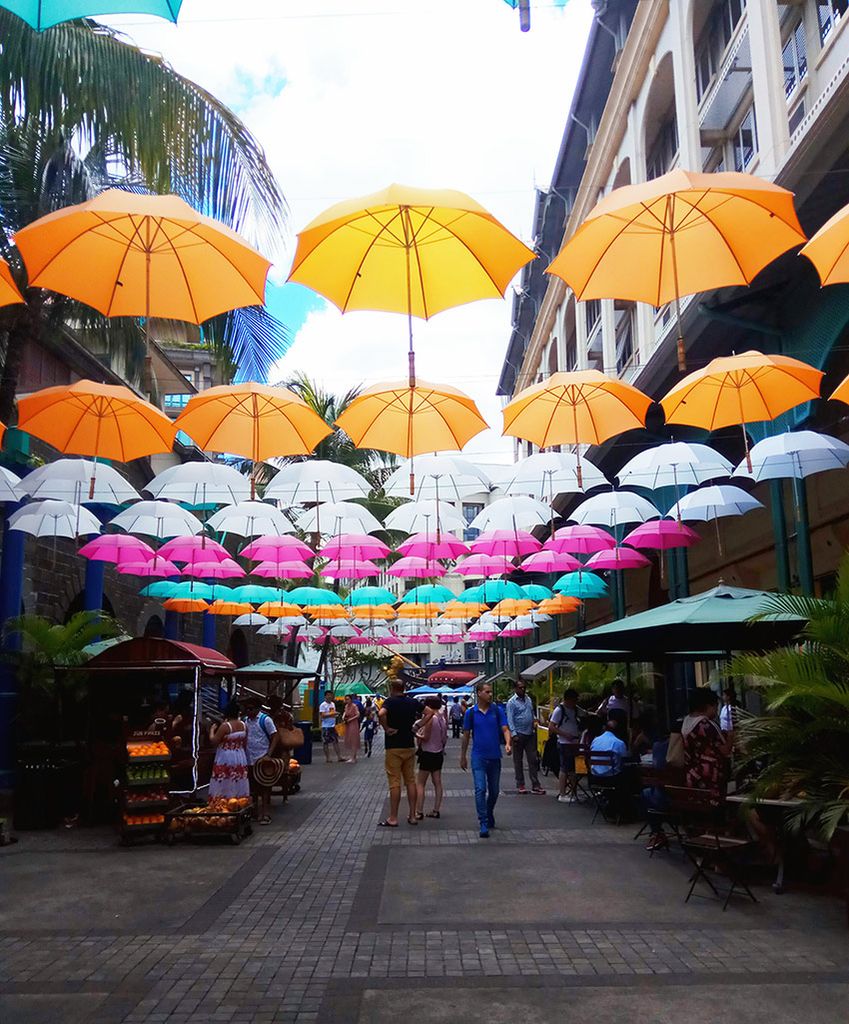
x=11 y=589
x=209 y=630
x=171 y=626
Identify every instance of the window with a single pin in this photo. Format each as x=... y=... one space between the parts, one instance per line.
x=592 y=313
x=624 y=339
x=714 y=160
x=745 y=141
x=665 y=149
x=470 y=652
x=571 y=355
x=797 y=115
x=705 y=67
x=470 y=510
x=795 y=57
x=176 y=401
x=714 y=39
x=830 y=12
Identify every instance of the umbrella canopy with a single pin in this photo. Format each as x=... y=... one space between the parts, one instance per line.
x=445 y=477
x=281 y=610
x=250 y=519
x=794 y=455
x=193 y=549
x=580 y=584
x=370 y=596
x=550 y=561
x=354 y=545
x=253 y=592
x=617 y=558
x=222 y=607
x=338 y=517
x=482 y=634
x=428 y=593
x=423 y=517
x=9 y=481
x=154 y=567
x=580 y=540
x=41 y=14
x=507 y=543
x=419 y=610
x=51 y=518
x=828 y=249
x=613 y=508
x=349 y=569
x=9 y=293
x=157 y=519
x=105 y=421
x=677 y=464
x=661 y=535
x=226 y=569
x=270 y=547
x=536 y=591
x=492 y=591
x=118 y=548
x=516 y=511
x=368 y=613
x=427 y=545
x=510 y=607
x=544 y=475
x=316 y=480
x=410 y=418
x=714 y=502
x=144 y=255
x=413 y=567
x=250 y=619
x=71 y=480
x=484 y=565
x=185 y=605
x=200 y=483
x=189 y=591
x=288 y=570
x=463 y=609
x=524 y=625
x=407 y=250
x=307 y=597
x=558 y=605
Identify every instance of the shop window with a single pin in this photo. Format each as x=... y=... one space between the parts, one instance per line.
x=744 y=142
x=830 y=13
x=794 y=54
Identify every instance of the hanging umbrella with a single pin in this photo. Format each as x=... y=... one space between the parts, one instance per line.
x=154 y=567
x=827 y=249
x=373 y=612
x=189 y=591
x=316 y=480
x=9 y=293
x=119 y=548
x=42 y=14
x=224 y=570
x=617 y=558
x=428 y=593
x=159 y=589
x=290 y=570
x=339 y=517
x=257 y=421
x=482 y=634
x=343 y=631
x=550 y=561
x=463 y=610
x=484 y=565
x=507 y=543
x=746 y=388
x=536 y=591
x=661 y=535
x=222 y=607
x=274 y=548
x=516 y=511
x=447 y=633
x=544 y=475
x=349 y=569
x=492 y=591
x=328 y=615
x=677 y=464
x=438 y=477
x=370 y=596
x=307 y=597
x=522 y=626
x=580 y=540
x=420 y=610
x=580 y=584
x=559 y=605
x=426 y=545
x=678 y=234
x=281 y=610
x=354 y=545
x=613 y=508
x=509 y=608
x=579 y=407
x=193 y=549
x=412 y=567
x=274 y=629
x=794 y=456
x=251 y=619
x=714 y=502
x=185 y=605
x=71 y=480
x=104 y=421
x=423 y=516
x=200 y=483
x=255 y=593
x=9 y=481
x=250 y=519
x=157 y=519
x=51 y=518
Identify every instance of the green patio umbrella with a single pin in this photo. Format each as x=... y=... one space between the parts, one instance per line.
x=42 y=14
x=370 y=595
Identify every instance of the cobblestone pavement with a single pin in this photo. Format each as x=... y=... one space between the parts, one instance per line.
x=325 y=917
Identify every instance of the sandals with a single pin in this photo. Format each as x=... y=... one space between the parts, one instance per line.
x=433 y=814
x=412 y=821
x=387 y=824
x=419 y=816
x=264 y=820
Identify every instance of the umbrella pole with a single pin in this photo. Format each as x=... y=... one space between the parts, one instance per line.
x=718 y=537
x=94 y=459
x=578 y=473
x=411 y=355
x=682 y=355
x=436 y=478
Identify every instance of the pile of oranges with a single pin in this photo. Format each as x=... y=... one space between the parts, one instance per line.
x=144 y=819
x=156 y=749
x=223 y=804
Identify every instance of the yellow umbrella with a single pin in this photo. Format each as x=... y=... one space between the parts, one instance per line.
x=9 y=293
x=828 y=250
x=745 y=388
x=580 y=407
x=254 y=420
x=682 y=233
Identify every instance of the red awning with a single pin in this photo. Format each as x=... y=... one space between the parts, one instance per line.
x=450 y=677
x=158 y=653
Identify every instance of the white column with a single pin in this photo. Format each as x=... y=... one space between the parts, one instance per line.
x=560 y=328
x=684 y=77
x=768 y=85
x=581 y=334
x=608 y=336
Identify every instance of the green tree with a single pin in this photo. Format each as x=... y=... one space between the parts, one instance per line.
x=800 y=746
x=82 y=108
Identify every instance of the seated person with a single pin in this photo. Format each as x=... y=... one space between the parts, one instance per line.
x=609 y=742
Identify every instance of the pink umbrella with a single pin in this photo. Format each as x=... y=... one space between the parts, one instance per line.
x=416 y=638
x=293 y=570
x=179 y=549
x=580 y=540
x=484 y=565
x=506 y=543
x=448 y=638
x=414 y=568
x=120 y=548
x=355 y=545
x=483 y=633
x=200 y=556
x=349 y=569
x=154 y=567
x=511 y=629
x=270 y=548
x=425 y=545
x=660 y=534
x=226 y=569
x=617 y=558
x=550 y=561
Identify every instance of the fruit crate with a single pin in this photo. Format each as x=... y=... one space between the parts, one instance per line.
x=191 y=822
x=129 y=831
x=146 y=805
x=148 y=783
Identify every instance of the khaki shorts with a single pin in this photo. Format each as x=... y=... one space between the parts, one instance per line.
x=400 y=762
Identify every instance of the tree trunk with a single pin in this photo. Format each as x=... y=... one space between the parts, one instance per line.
x=24 y=326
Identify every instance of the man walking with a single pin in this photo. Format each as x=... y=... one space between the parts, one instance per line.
x=397 y=716
x=564 y=723
x=455 y=716
x=488 y=723
x=522 y=723
x=329 y=738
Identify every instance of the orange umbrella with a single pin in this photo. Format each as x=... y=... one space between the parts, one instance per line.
x=463 y=610
x=828 y=250
x=254 y=420
x=580 y=407
x=681 y=233
x=185 y=604
x=9 y=293
x=385 y=612
x=745 y=388
x=229 y=608
x=326 y=611
x=558 y=605
x=278 y=610
x=418 y=611
x=99 y=420
x=510 y=607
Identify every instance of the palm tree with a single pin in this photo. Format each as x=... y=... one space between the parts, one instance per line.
x=71 y=123
x=800 y=747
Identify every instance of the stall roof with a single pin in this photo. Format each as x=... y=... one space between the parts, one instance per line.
x=148 y=652
x=275 y=668
x=539 y=668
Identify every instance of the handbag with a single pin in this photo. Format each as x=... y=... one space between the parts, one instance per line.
x=675 y=751
x=290 y=738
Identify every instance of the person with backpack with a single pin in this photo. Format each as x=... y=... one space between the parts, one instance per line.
x=564 y=723
x=261 y=732
x=487 y=723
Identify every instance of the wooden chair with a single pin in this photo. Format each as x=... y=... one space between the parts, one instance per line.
x=604 y=787
x=705 y=844
x=658 y=778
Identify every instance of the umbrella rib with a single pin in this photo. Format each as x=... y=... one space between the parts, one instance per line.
x=117 y=280
x=365 y=255
x=184 y=274
x=626 y=223
x=726 y=243
x=419 y=260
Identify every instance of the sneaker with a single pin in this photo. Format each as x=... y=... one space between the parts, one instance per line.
x=521 y=789
x=484 y=833
x=538 y=791
x=565 y=799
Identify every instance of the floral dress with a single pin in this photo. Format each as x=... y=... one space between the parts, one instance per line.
x=230 y=769
x=706 y=764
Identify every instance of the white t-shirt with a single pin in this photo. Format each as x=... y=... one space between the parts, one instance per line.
x=260 y=731
x=566 y=719
x=327 y=710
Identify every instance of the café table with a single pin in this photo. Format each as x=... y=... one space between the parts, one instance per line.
x=771 y=812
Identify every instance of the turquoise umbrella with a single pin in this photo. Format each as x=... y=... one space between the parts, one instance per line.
x=187 y=589
x=254 y=593
x=428 y=593
x=536 y=592
x=493 y=591
x=162 y=589
x=370 y=595
x=41 y=14
x=581 y=584
x=312 y=595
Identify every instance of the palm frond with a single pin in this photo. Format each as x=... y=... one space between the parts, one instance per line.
x=246 y=343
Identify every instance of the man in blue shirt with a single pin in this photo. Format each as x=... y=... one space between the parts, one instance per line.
x=609 y=743
x=522 y=722
x=488 y=723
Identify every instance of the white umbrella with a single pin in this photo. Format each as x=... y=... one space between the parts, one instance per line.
x=547 y=474
x=250 y=619
x=516 y=512
x=343 y=631
x=201 y=483
x=273 y=629
x=72 y=480
x=250 y=519
x=677 y=464
x=794 y=456
x=714 y=502
x=9 y=482
x=316 y=480
x=421 y=517
x=52 y=518
x=438 y=477
x=614 y=508
x=158 y=519
x=337 y=517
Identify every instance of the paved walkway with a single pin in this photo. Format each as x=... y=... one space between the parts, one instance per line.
x=324 y=917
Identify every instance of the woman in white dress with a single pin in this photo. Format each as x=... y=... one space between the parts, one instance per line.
x=230 y=768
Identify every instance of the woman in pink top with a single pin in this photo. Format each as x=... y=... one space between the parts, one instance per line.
x=432 y=733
